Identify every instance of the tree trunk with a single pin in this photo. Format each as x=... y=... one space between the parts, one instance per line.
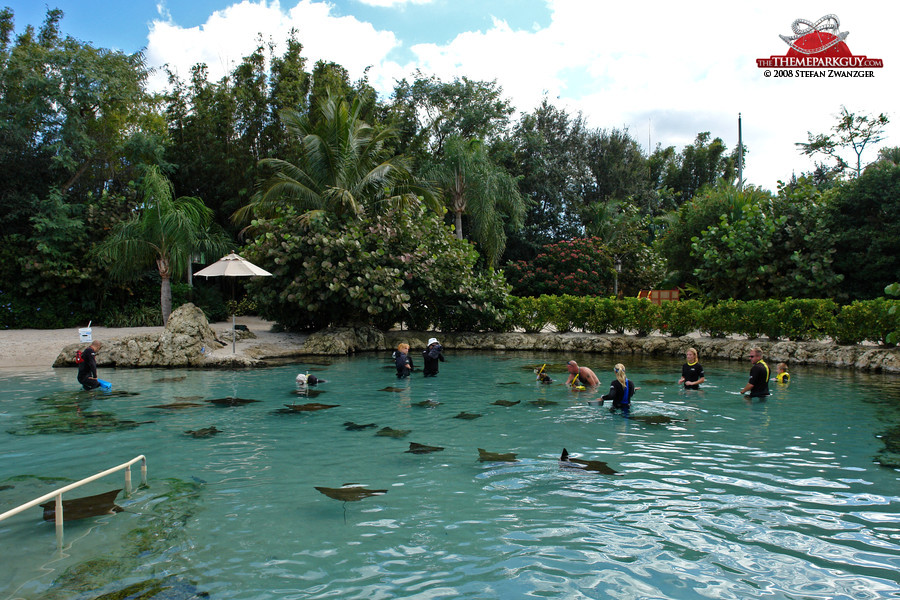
x=165 y=289
x=458 y=222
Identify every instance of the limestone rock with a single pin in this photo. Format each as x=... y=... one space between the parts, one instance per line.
x=344 y=340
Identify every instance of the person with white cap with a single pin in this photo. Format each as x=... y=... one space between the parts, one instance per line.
x=431 y=355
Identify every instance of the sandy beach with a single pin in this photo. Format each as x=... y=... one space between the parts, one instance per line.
x=38 y=348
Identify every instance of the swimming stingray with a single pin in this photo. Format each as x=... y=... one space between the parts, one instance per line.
x=655 y=381
x=597 y=466
x=351 y=426
x=350 y=492
x=467 y=416
x=506 y=402
x=80 y=508
x=176 y=405
x=311 y=406
x=169 y=379
x=485 y=456
x=415 y=448
x=392 y=389
x=231 y=401
x=394 y=433
x=543 y=402
x=655 y=419
x=426 y=403
x=509 y=383
x=205 y=432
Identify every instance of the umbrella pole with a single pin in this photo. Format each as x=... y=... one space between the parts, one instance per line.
x=233 y=331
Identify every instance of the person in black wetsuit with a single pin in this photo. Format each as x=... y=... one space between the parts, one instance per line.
x=621 y=391
x=87 y=369
x=692 y=371
x=403 y=361
x=430 y=356
x=758 y=384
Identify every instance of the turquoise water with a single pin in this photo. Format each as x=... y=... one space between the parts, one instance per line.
x=774 y=499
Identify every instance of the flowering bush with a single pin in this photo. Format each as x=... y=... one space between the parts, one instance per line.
x=379 y=270
x=579 y=267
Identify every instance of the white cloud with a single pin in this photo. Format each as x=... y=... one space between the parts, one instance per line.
x=677 y=68
x=393 y=3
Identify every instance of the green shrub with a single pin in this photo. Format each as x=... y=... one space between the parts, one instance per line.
x=640 y=315
x=866 y=320
x=680 y=317
x=529 y=313
x=804 y=320
x=602 y=315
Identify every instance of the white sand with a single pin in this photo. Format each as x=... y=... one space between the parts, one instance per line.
x=35 y=348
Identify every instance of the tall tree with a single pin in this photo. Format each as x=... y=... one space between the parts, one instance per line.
x=851 y=132
x=702 y=163
x=473 y=185
x=164 y=231
x=343 y=168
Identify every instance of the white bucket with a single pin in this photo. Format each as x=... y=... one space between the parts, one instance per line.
x=84 y=335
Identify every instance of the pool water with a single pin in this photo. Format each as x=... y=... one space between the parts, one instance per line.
x=732 y=499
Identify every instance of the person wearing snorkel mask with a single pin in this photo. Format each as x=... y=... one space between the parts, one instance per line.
x=580 y=376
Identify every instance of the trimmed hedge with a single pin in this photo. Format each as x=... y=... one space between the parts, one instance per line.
x=791 y=318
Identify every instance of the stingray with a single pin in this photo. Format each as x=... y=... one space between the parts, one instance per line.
x=307 y=393
x=656 y=381
x=597 y=466
x=6 y=487
x=81 y=508
x=392 y=389
x=231 y=401
x=350 y=492
x=204 y=433
x=311 y=406
x=170 y=379
x=655 y=419
x=467 y=416
x=485 y=456
x=415 y=448
x=543 y=402
x=176 y=405
x=394 y=433
x=351 y=426
x=506 y=402
x=426 y=403
x=509 y=383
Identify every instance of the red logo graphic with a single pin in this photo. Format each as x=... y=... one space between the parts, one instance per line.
x=818 y=45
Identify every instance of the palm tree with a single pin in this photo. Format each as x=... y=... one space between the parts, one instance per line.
x=343 y=169
x=163 y=230
x=472 y=184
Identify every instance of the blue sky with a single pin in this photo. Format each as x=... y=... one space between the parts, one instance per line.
x=664 y=70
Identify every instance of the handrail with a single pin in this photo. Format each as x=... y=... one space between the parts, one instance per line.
x=57 y=494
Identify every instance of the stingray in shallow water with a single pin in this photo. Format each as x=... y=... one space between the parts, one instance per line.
x=394 y=433
x=310 y=407
x=426 y=403
x=176 y=405
x=81 y=508
x=655 y=419
x=307 y=393
x=543 y=402
x=392 y=389
x=509 y=383
x=204 y=433
x=485 y=456
x=415 y=448
x=350 y=492
x=351 y=426
x=467 y=416
x=170 y=379
x=231 y=401
x=506 y=402
x=655 y=381
x=596 y=466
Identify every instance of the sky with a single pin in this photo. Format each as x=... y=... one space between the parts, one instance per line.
x=664 y=70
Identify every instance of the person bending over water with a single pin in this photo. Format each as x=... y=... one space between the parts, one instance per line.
x=87 y=369
x=584 y=375
x=692 y=371
x=621 y=391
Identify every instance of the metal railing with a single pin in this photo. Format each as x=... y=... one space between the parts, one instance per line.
x=57 y=494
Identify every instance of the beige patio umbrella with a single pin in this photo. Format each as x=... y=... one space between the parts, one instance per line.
x=233 y=265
